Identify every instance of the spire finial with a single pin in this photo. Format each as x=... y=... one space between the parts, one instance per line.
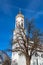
x=19 y=10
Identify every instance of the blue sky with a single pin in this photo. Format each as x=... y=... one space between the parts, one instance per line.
x=8 y=11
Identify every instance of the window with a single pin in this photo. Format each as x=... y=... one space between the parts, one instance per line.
x=21 y=24
x=21 y=19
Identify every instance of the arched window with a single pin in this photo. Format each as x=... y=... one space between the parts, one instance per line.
x=22 y=24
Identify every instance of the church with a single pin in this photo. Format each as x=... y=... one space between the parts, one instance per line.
x=20 y=59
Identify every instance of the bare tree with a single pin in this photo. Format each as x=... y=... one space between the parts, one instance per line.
x=5 y=59
x=27 y=45
x=7 y=62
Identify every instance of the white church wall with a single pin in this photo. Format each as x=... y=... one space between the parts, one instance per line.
x=22 y=60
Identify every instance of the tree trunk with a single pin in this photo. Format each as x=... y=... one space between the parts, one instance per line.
x=28 y=60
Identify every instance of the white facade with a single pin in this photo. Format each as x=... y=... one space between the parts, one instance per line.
x=19 y=22
x=16 y=58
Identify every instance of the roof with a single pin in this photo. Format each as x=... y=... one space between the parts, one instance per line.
x=20 y=14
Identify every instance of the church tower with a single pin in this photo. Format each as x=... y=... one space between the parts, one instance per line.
x=19 y=21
